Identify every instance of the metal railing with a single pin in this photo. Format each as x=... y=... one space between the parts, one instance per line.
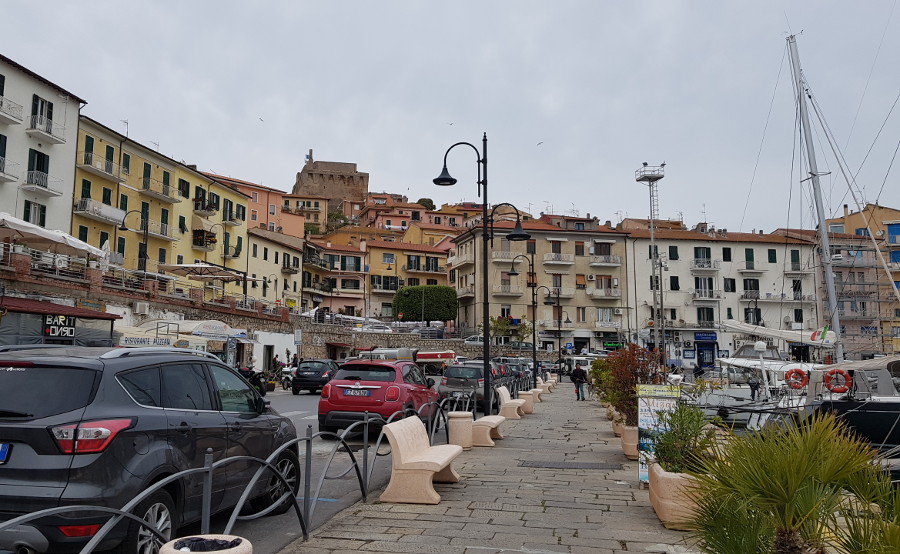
x=46 y=125
x=10 y=108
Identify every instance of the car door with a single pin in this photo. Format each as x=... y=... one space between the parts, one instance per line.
x=417 y=386
x=193 y=426
x=250 y=433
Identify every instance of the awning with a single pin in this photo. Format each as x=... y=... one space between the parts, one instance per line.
x=30 y=306
x=198 y=222
x=246 y=341
x=338 y=344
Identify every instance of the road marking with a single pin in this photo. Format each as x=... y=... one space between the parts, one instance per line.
x=291 y=414
x=310 y=417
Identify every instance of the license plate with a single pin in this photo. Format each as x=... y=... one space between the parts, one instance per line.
x=307 y=373
x=457 y=394
x=4 y=452
x=356 y=392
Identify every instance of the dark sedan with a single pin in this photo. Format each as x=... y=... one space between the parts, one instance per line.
x=312 y=375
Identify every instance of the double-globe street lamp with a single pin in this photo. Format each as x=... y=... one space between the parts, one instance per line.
x=534 y=286
x=445 y=180
x=552 y=299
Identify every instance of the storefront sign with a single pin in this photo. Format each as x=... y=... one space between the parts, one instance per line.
x=710 y=337
x=128 y=340
x=59 y=326
x=91 y=305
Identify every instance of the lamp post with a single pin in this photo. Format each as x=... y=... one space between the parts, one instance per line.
x=145 y=227
x=512 y=273
x=445 y=180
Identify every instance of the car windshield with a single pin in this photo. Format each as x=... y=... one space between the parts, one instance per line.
x=24 y=391
x=316 y=366
x=463 y=372
x=366 y=373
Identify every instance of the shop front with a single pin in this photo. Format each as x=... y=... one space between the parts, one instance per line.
x=28 y=321
x=706 y=346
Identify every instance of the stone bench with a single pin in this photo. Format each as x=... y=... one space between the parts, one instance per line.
x=509 y=408
x=485 y=429
x=536 y=395
x=528 y=397
x=545 y=386
x=416 y=465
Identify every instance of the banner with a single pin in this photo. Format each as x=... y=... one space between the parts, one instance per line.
x=652 y=399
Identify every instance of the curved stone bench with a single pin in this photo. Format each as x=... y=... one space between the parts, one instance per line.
x=509 y=408
x=485 y=429
x=416 y=465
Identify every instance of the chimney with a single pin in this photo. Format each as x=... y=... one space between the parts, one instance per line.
x=846 y=210
x=192 y=166
x=362 y=245
x=609 y=223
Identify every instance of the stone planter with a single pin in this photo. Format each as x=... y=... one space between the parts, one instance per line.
x=270 y=386
x=244 y=548
x=630 y=441
x=617 y=428
x=610 y=412
x=670 y=497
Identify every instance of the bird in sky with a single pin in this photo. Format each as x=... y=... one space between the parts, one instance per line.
x=540 y=143
x=261 y=119
x=450 y=123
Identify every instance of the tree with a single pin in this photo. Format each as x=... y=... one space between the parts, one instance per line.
x=426 y=303
x=336 y=220
x=428 y=203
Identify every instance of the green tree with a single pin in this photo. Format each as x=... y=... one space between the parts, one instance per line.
x=501 y=327
x=426 y=303
x=427 y=202
x=523 y=330
x=336 y=220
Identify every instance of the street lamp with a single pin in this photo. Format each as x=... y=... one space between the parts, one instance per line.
x=555 y=302
x=445 y=180
x=145 y=227
x=512 y=273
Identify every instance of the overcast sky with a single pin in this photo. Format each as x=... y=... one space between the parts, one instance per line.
x=573 y=95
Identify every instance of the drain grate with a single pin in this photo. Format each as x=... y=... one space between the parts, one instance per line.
x=549 y=464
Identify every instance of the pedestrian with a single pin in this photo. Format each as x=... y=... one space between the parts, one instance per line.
x=294 y=361
x=276 y=363
x=579 y=377
x=753 y=381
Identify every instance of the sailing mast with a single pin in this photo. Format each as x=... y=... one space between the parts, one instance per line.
x=800 y=88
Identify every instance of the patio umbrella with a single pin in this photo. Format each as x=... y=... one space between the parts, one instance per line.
x=39 y=238
x=202 y=272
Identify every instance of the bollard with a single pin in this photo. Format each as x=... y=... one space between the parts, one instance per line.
x=459 y=424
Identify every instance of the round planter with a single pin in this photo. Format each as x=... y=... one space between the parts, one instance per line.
x=617 y=428
x=670 y=497
x=630 y=442
x=244 y=548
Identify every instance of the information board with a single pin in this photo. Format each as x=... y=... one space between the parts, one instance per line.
x=652 y=399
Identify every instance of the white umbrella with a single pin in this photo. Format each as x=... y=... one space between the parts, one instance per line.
x=39 y=238
x=202 y=272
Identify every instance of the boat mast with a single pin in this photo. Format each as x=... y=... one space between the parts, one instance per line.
x=800 y=88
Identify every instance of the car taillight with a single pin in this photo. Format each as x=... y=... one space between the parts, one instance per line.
x=481 y=382
x=444 y=381
x=326 y=390
x=89 y=436
x=392 y=394
x=79 y=530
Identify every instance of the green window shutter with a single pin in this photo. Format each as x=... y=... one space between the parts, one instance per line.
x=126 y=163
x=32 y=159
x=773 y=257
x=147 y=170
x=166 y=178
x=107 y=196
x=49 y=111
x=164 y=216
x=42 y=216
x=120 y=247
x=227 y=242
x=35 y=103
x=88 y=144
x=673 y=252
x=82 y=233
x=795 y=256
x=123 y=202
x=237 y=248
x=104 y=237
x=2 y=143
x=182 y=224
x=85 y=188
x=110 y=153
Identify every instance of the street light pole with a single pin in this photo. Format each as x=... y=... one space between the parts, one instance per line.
x=142 y=250
x=512 y=273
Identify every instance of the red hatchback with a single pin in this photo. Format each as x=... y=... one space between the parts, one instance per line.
x=380 y=387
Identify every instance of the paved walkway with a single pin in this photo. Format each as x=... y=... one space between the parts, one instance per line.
x=558 y=482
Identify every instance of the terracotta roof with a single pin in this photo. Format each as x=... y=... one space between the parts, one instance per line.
x=29 y=306
x=232 y=180
x=813 y=234
x=410 y=246
x=279 y=238
x=339 y=248
x=716 y=236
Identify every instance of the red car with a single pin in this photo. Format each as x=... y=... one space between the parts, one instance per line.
x=380 y=387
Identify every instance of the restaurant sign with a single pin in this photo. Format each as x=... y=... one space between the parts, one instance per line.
x=59 y=326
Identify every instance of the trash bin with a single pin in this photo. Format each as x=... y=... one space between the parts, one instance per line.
x=221 y=544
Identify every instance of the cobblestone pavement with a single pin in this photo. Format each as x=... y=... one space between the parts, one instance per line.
x=557 y=482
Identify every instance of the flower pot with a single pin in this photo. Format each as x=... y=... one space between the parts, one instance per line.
x=630 y=441
x=670 y=497
x=243 y=548
x=617 y=427
x=270 y=386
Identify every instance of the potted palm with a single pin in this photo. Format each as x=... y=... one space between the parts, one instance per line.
x=686 y=438
x=629 y=367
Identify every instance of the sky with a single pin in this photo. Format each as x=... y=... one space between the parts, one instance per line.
x=573 y=95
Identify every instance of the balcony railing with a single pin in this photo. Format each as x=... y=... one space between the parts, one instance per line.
x=203 y=207
x=290 y=269
x=704 y=294
x=558 y=258
x=99 y=211
x=750 y=266
x=503 y=256
x=9 y=170
x=564 y=292
x=607 y=324
x=468 y=290
x=508 y=290
x=705 y=264
x=605 y=293
x=46 y=129
x=229 y=218
x=555 y=324
x=98 y=165
x=425 y=269
x=606 y=260
x=461 y=260
x=10 y=112
x=41 y=183
x=157 y=189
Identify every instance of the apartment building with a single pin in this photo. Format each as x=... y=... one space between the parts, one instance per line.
x=38 y=141
x=269 y=208
x=707 y=276
x=344 y=276
x=275 y=265
x=397 y=264
x=578 y=265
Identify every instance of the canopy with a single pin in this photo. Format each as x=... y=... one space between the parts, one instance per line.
x=821 y=337
x=202 y=272
x=39 y=238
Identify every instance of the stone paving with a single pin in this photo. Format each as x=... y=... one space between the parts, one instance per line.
x=557 y=482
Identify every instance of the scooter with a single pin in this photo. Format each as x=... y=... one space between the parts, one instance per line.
x=254 y=378
x=287 y=377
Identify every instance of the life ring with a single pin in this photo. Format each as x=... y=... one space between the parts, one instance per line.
x=796 y=378
x=843 y=385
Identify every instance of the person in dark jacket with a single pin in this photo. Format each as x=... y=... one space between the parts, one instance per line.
x=579 y=377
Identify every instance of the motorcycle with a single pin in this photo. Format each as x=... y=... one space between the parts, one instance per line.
x=255 y=378
x=287 y=377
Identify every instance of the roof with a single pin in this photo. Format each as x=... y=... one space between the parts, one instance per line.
x=409 y=246
x=24 y=69
x=30 y=306
x=279 y=238
x=716 y=236
x=338 y=248
x=232 y=180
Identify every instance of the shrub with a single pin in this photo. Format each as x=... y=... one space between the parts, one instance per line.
x=630 y=367
x=685 y=440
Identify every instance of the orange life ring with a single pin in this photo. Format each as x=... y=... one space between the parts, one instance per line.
x=845 y=383
x=796 y=378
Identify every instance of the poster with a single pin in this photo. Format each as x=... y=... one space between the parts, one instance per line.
x=652 y=399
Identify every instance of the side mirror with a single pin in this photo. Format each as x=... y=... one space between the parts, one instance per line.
x=430 y=382
x=262 y=405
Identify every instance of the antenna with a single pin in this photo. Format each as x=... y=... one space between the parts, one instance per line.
x=125 y=121
x=156 y=144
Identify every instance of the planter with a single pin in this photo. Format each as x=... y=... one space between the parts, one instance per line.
x=630 y=441
x=670 y=497
x=617 y=428
x=270 y=386
x=243 y=548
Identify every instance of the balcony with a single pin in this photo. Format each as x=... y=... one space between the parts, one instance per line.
x=786 y=297
x=9 y=171
x=230 y=219
x=750 y=267
x=705 y=265
x=705 y=294
x=203 y=245
x=796 y=268
x=506 y=257
x=41 y=183
x=382 y=289
x=158 y=190
x=318 y=286
x=232 y=252
x=439 y=269
x=605 y=294
x=98 y=165
x=893 y=240
x=45 y=129
x=98 y=211
x=556 y=258
x=508 y=290
x=467 y=291
x=160 y=230
x=600 y=325
x=850 y=314
x=564 y=292
x=203 y=208
x=10 y=112
x=555 y=324
x=607 y=261
x=290 y=269
x=460 y=260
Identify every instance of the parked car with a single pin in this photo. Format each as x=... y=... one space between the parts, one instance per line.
x=311 y=375
x=97 y=426
x=373 y=328
x=474 y=340
x=519 y=345
x=379 y=387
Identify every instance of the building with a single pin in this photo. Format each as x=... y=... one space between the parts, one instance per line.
x=269 y=208
x=275 y=266
x=38 y=141
x=393 y=265
x=339 y=183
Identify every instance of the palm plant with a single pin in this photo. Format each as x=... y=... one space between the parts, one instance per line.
x=796 y=489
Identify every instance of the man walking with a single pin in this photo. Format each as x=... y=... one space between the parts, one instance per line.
x=579 y=377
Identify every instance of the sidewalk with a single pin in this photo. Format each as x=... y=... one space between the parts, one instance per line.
x=557 y=482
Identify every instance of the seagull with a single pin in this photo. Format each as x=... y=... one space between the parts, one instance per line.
x=261 y=119
x=540 y=143
x=450 y=123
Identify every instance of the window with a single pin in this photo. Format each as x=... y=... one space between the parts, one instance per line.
x=234 y=394
x=579 y=226
x=580 y=281
x=107 y=196
x=184 y=188
x=126 y=163
x=161 y=256
x=773 y=257
x=437 y=220
x=182 y=224
x=730 y=285
x=276 y=257
x=120 y=246
x=579 y=249
x=431 y=282
x=749 y=258
x=271 y=209
x=186 y=387
x=505 y=310
x=41 y=114
x=728 y=313
x=726 y=254
x=452 y=275
x=835 y=227
x=254 y=197
x=35 y=213
x=38 y=168
x=387 y=258
x=673 y=283
x=530 y=247
x=104 y=238
x=602 y=249
x=556 y=247
x=702 y=252
x=752 y=316
x=123 y=202
x=705 y=316
x=580 y=314
x=254 y=215
x=412 y=262
x=798 y=315
x=82 y=233
x=673 y=252
x=415 y=216
x=265 y=253
x=85 y=188
x=413 y=281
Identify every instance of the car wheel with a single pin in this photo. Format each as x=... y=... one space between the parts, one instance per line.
x=285 y=384
x=312 y=391
x=289 y=466
x=158 y=509
x=295 y=391
x=329 y=429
